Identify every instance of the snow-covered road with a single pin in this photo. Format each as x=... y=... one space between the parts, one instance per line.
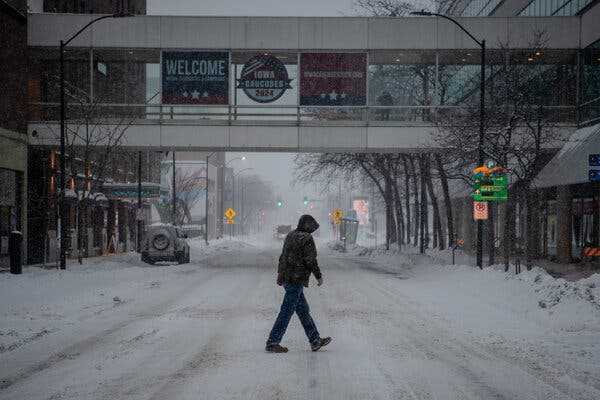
x=128 y=331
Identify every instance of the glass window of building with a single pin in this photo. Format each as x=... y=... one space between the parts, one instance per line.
x=120 y=78
x=544 y=8
x=480 y=8
x=590 y=85
x=44 y=81
x=404 y=81
x=547 y=79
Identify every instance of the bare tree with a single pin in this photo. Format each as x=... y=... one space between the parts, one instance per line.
x=190 y=185
x=522 y=132
x=94 y=136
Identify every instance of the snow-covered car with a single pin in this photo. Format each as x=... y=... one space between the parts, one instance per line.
x=165 y=243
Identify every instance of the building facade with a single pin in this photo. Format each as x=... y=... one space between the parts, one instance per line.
x=13 y=122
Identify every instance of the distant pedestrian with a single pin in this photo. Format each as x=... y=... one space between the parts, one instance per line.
x=385 y=100
x=297 y=261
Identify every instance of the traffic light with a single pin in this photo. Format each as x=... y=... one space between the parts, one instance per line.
x=279 y=203
x=305 y=200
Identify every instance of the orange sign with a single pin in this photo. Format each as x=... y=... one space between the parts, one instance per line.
x=337 y=216
x=230 y=213
x=480 y=210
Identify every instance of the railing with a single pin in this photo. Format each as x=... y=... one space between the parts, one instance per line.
x=589 y=112
x=273 y=114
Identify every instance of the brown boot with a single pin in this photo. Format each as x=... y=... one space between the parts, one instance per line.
x=275 y=348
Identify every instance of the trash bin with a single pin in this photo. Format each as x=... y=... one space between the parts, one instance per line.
x=15 y=245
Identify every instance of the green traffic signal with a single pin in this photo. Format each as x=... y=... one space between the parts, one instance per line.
x=279 y=203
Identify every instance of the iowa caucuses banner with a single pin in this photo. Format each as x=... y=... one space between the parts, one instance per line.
x=195 y=77
x=333 y=79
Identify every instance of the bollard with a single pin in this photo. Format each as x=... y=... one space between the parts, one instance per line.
x=15 y=245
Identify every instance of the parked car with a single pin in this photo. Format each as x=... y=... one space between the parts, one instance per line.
x=281 y=231
x=165 y=242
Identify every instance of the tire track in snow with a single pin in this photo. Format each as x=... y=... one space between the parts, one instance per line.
x=211 y=354
x=75 y=350
x=459 y=348
x=431 y=352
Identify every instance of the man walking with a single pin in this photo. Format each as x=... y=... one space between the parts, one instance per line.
x=297 y=261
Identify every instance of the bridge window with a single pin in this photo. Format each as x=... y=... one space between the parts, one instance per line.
x=401 y=84
x=590 y=85
x=121 y=78
x=44 y=80
x=544 y=8
x=480 y=8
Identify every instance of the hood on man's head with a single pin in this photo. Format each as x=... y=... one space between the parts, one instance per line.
x=307 y=223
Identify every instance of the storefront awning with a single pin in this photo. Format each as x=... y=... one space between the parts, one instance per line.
x=570 y=165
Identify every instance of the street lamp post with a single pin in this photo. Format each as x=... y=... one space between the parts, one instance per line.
x=233 y=189
x=206 y=201
x=63 y=216
x=481 y=155
x=174 y=190
x=242 y=215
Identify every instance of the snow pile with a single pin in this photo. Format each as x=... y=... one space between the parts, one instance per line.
x=554 y=303
x=337 y=245
x=553 y=291
x=531 y=297
x=358 y=250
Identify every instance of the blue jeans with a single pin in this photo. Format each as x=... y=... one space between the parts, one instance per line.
x=293 y=301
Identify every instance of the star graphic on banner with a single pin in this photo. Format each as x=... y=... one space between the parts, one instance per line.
x=195 y=94
x=333 y=95
x=185 y=93
x=205 y=94
x=343 y=95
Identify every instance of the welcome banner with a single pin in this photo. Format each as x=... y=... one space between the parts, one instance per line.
x=195 y=77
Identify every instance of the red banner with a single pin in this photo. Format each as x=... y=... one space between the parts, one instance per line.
x=333 y=79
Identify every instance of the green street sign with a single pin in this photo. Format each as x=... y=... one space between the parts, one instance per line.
x=488 y=187
x=490 y=193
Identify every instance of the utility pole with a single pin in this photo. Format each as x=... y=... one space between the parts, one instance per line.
x=139 y=204
x=63 y=115
x=206 y=201
x=62 y=214
x=174 y=192
x=242 y=210
x=481 y=155
x=233 y=198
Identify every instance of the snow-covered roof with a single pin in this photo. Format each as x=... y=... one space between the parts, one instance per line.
x=570 y=165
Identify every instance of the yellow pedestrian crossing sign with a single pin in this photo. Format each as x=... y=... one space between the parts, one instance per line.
x=230 y=214
x=337 y=215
